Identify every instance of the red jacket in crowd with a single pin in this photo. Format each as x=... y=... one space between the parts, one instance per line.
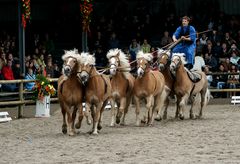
x=7 y=73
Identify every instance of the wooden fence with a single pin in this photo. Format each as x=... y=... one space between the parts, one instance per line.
x=21 y=101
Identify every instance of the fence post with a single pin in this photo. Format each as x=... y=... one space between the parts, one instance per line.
x=20 y=107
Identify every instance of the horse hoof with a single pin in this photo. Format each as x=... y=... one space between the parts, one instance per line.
x=95 y=133
x=117 y=120
x=144 y=121
x=181 y=117
x=99 y=127
x=192 y=116
x=150 y=125
x=158 y=119
x=112 y=124
x=89 y=122
x=122 y=124
x=71 y=133
x=137 y=123
x=199 y=117
x=77 y=125
x=164 y=117
x=64 y=130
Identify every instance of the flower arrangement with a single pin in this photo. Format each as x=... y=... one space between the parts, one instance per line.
x=86 y=8
x=43 y=87
x=26 y=12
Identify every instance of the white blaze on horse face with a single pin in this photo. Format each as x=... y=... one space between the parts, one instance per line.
x=113 y=68
x=140 y=72
x=69 y=61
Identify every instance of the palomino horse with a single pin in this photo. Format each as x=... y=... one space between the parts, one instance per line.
x=185 y=89
x=164 y=66
x=122 y=84
x=97 y=89
x=70 y=92
x=149 y=85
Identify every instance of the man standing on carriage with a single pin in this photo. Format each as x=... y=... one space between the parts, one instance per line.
x=187 y=34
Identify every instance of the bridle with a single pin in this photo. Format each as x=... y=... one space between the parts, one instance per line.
x=177 y=64
x=113 y=64
x=67 y=64
x=144 y=68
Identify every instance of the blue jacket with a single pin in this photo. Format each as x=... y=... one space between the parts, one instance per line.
x=29 y=86
x=185 y=46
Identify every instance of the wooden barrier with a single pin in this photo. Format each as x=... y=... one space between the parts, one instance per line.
x=21 y=102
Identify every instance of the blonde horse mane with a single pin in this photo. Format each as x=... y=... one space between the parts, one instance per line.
x=181 y=55
x=71 y=53
x=147 y=56
x=122 y=57
x=87 y=58
x=162 y=51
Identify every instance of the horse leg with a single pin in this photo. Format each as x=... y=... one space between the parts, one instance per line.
x=121 y=109
x=125 y=111
x=137 y=110
x=64 y=125
x=177 y=108
x=203 y=102
x=182 y=105
x=86 y=113
x=96 y=118
x=159 y=103
x=70 y=122
x=149 y=106
x=74 y=113
x=193 y=101
x=165 y=109
x=162 y=101
x=99 y=127
x=113 y=112
x=80 y=117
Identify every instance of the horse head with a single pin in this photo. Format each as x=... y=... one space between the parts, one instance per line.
x=86 y=67
x=70 y=61
x=164 y=59
x=178 y=59
x=116 y=59
x=143 y=63
x=114 y=63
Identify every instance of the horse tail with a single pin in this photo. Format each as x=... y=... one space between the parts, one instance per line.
x=208 y=96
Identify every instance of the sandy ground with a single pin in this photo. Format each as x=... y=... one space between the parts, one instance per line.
x=213 y=139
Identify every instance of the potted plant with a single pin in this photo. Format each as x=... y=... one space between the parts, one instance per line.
x=42 y=91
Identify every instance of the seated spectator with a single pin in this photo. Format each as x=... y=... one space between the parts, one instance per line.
x=203 y=39
x=113 y=41
x=50 y=69
x=199 y=47
x=224 y=51
x=42 y=65
x=16 y=70
x=145 y=47
x=211 y=62
x=234 y=58
x=166 y=39
x=209 y=77
x=233 y=80
x=8 y=75
x=57 y=72
x=199 y=63
x=134 y=48
x=30 y=76
x=101 y=60
x=220 y=79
